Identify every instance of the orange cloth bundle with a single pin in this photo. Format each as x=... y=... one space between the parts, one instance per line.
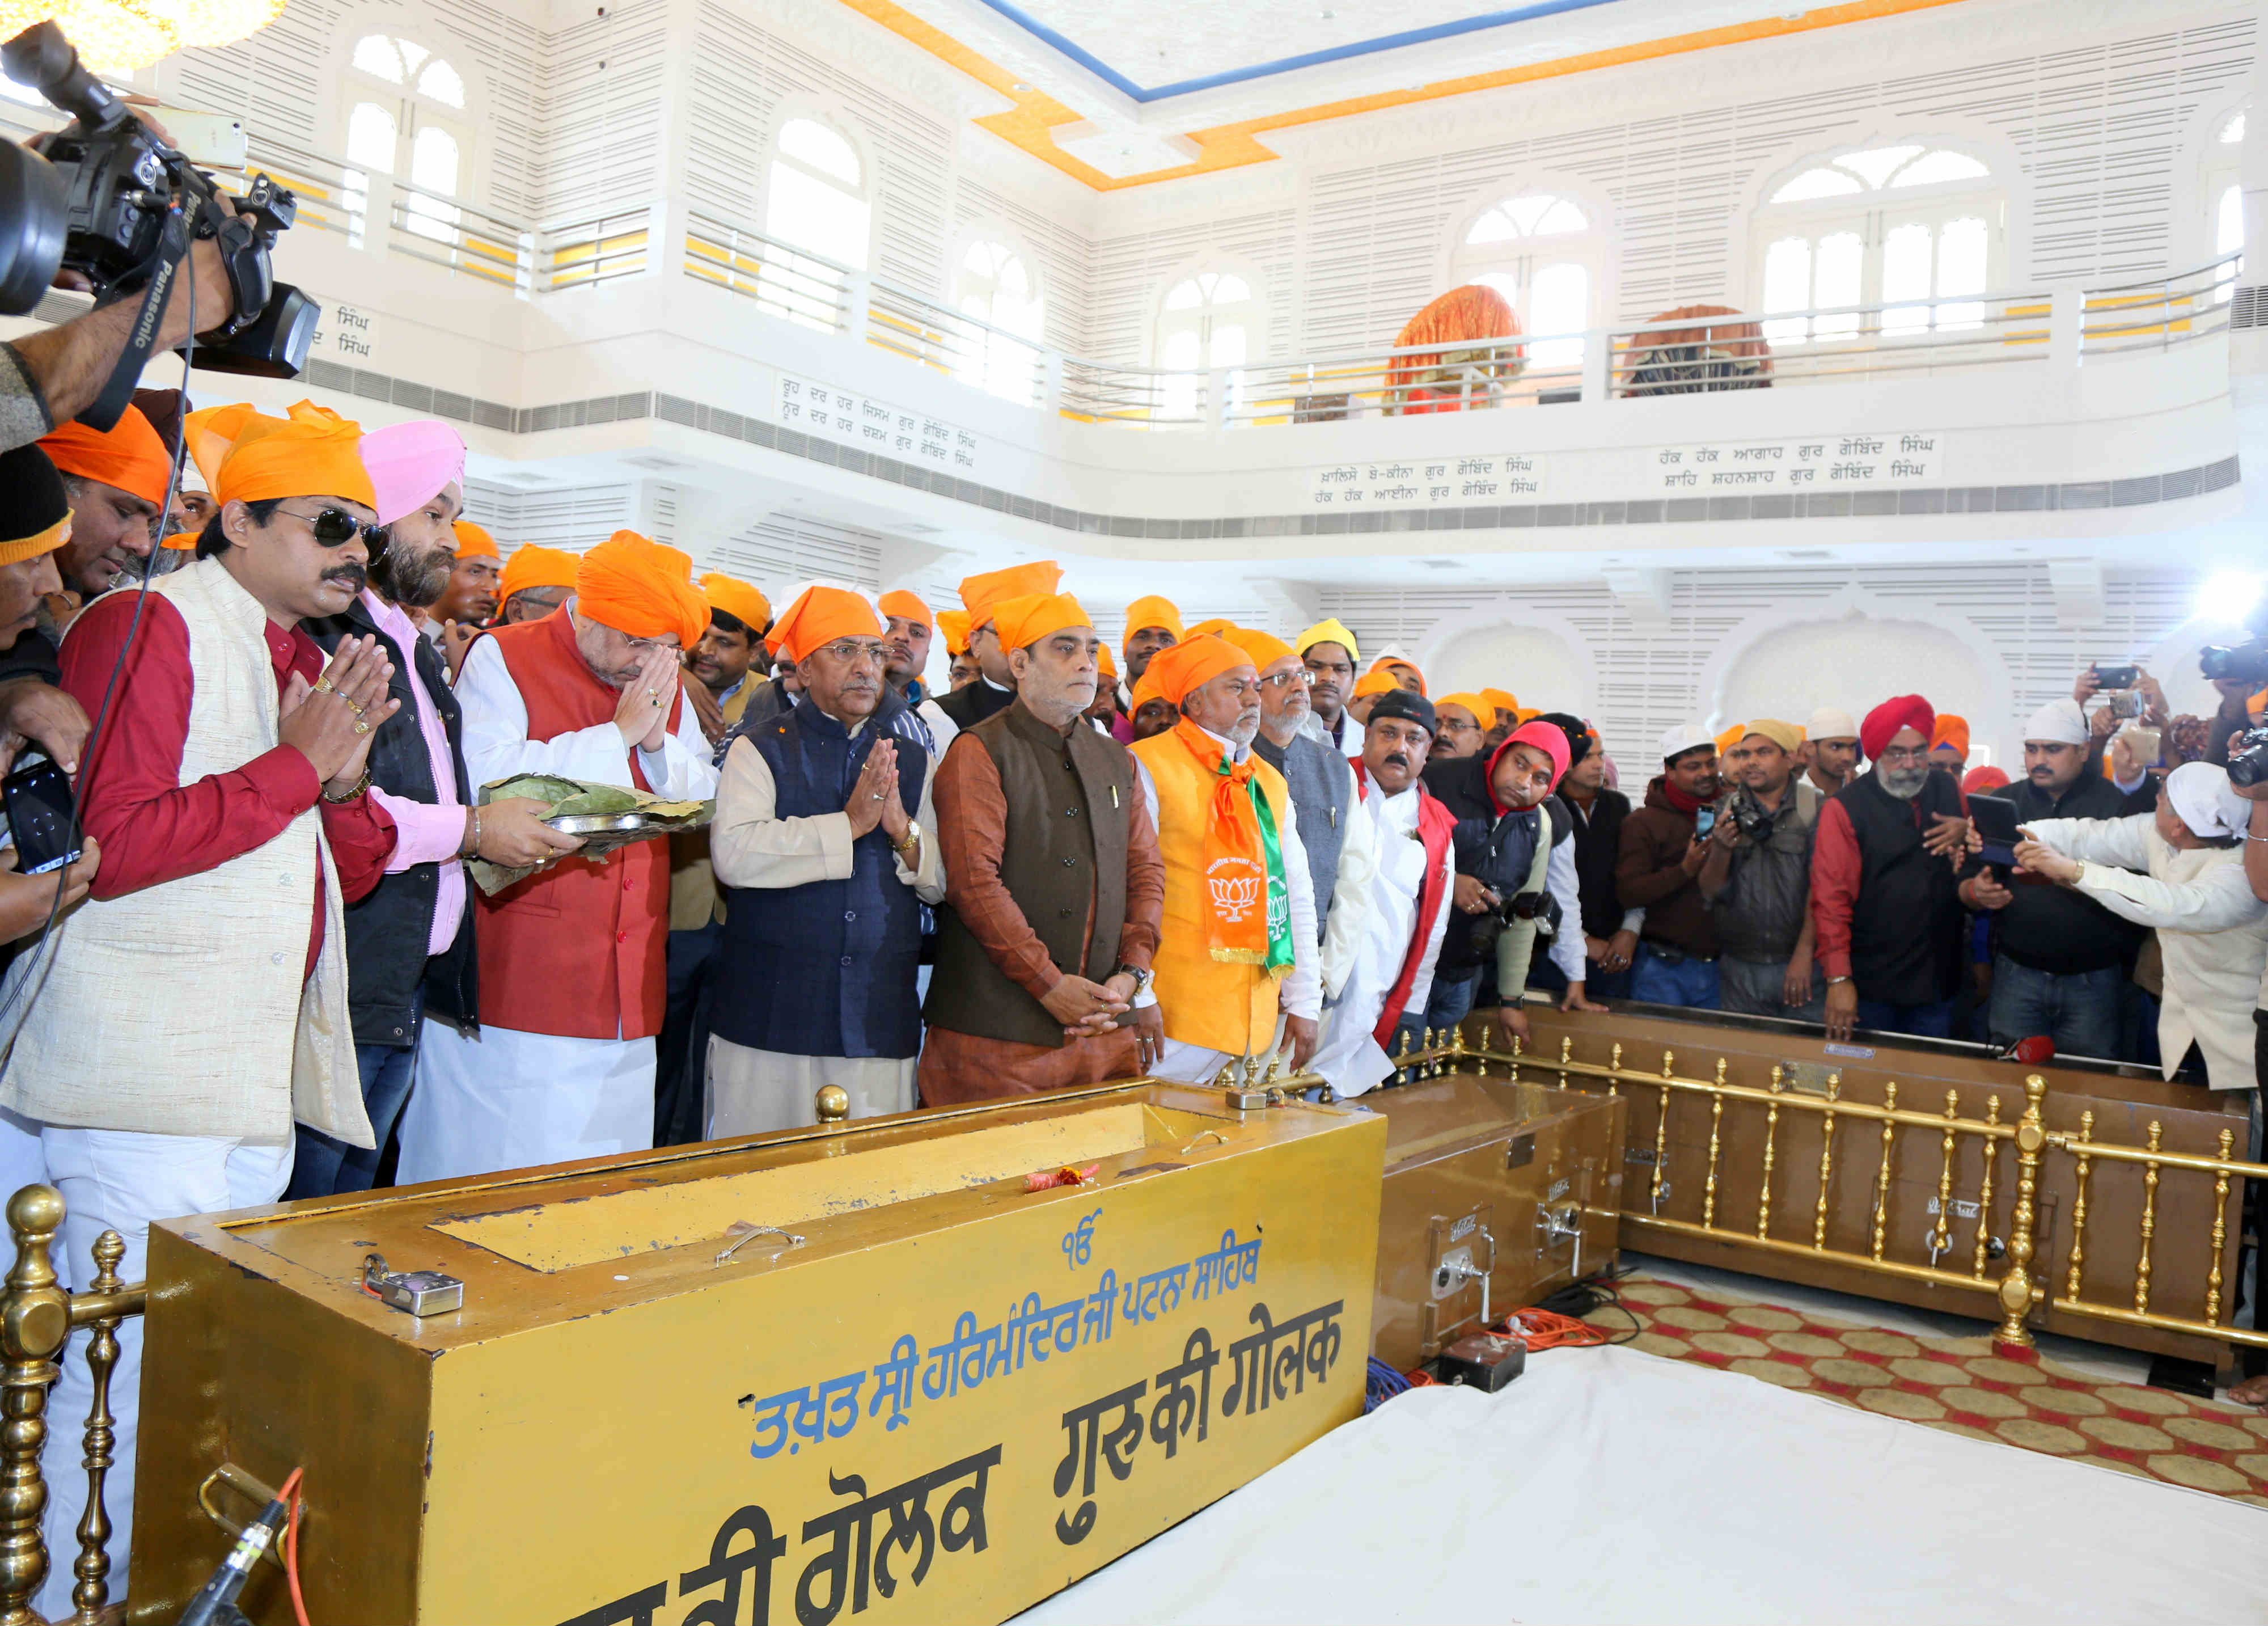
x=1459 y=320
x=819 y=616
x=247 y=456
x=129 y=456
x=642 y=588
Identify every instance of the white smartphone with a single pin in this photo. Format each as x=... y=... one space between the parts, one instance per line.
x=211 y=140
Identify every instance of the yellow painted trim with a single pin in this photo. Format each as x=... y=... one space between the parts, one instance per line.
x=1031 y=122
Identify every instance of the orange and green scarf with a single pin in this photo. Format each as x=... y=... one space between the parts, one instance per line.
x=1246 y=902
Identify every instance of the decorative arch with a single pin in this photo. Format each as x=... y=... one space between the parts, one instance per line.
x=2209 y=169
x=804 y=202
x=1558 y=277
x=1495 y=636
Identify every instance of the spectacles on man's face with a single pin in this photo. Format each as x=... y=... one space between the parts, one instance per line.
x=1281 y=680
x=1458 y=725
x=335 y=528
x=848 y=650
x=1905 y=755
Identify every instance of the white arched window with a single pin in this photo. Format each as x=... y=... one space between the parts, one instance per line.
x=406 y=118
x=992 y=284
x=1545 y=254
x=1919 y=228
x=815 y=199
x=1207 y=322
x=2224 y=193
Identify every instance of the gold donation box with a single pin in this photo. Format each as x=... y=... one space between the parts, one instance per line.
x=948 y=1398
x=1496 y=1194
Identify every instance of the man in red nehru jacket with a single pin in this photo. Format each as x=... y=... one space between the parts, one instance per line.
x=572 y=973
x=1884 y=872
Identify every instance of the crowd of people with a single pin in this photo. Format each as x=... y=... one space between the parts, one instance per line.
x=304 y=950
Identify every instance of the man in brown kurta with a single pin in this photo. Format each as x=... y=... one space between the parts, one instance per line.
x=1054 y=888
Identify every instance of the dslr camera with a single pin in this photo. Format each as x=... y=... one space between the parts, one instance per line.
x=110 y=201
x=1753 y=822
x=1540 y=907
x=2244 y=661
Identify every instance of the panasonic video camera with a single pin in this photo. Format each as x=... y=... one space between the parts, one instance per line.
x=99 y=200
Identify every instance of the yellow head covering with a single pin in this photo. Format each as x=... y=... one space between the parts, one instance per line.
x=1152 y=611
x=1786 y=736
x=1331 y=631
x=742 y=600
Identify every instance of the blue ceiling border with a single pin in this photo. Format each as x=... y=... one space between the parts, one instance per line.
x=1286 y=65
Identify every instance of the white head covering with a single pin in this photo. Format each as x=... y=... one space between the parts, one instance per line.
x=1827 y=723
x=2059 y=722
x=2201 y=795
x=1683 y=738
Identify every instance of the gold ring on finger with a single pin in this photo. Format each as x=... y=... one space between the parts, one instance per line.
x=324 y=685
x=361 y=726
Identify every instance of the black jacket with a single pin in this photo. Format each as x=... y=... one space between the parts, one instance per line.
x=1908 y=930
x=2054 y=928
x=1496 y=850
x=387 y=931
x=972 y=703
x=1598 y=843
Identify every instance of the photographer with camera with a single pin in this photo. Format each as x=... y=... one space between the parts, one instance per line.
x=1662 y=851
x=2059 y=958
x=1757 y=880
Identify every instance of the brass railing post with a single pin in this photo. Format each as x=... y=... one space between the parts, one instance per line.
x=92 y=1565
x=2017 y=1292
x=34 y=1321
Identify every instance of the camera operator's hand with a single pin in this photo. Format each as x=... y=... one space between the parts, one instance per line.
x=2154 y=709
x=2085 y=688
x=48 y=717
x=1512 y=1023
x=26 y=901
x=1726 y=833
x=1471 y=896
x=2254 y=792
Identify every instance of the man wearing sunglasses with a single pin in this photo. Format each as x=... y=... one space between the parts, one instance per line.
x=197 y=1005
x=573 y=966
x=410 y=942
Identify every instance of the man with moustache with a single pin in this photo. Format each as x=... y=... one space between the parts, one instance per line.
x=824 y=844
x=739 y=613
x=1413 y=866
x=1333 y=821
x=2059 y=957
x=1237 y=948
x=198 y=1004
x=470 y=598
x=1759 y=887
x=1658 y=870
x=1152 y=624
x=907 y=629
x=1884 y=896
x=410 y=940
x=1328 y=650
x=572 y=958
x=1055 y=889
x=1465 y=720
x=117 y=480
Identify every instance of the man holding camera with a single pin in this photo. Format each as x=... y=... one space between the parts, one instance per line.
x=1757 y=881
x=2059 y=957
x=1659 y=871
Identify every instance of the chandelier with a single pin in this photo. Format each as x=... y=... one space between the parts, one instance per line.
x=117 y=36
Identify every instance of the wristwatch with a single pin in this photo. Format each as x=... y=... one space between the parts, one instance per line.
x=912 y=841
x=1140 y=975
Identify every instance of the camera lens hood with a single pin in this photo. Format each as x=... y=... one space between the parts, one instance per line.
x=33 y=212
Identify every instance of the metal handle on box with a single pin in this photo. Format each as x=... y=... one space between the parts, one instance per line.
x=245 y=1485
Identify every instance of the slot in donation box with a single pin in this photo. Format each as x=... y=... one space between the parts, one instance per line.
x=915 y=1390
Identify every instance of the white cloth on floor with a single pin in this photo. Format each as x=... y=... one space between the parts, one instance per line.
x=756 y=1091
x=1607 y=1486
x=512 y=1100
x=118 y=1179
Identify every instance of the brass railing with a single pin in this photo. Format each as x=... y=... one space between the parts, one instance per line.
x=37 y=1318
x=2022 y=1291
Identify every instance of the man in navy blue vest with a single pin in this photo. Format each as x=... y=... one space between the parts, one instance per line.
x=821 y=845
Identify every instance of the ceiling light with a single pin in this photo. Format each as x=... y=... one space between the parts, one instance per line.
x=1019 y=87
x=119 y=35
x=2230 y=597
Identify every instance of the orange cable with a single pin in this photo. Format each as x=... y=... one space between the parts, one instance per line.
x=291 y=1545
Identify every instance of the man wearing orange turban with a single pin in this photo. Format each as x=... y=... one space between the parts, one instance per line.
x=1404 y=670
x=536 y=581
x=982 y=595
x=1240 y=941
x=471 y=600
x=117 y=481
x=825 y=842
x=228 y=798
x=1053 y=883
x=1948 y=744
x=573 y=966
x=1463 y=719
x=908 y=628
x=719 y=659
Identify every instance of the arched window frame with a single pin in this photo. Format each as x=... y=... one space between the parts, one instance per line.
x=2220 y=223
x=1206 y=325
x=861 y=191
x=1003 y=355
x=413 y=109
x=1871 y=215
x=807 y=287
x=1518 y=266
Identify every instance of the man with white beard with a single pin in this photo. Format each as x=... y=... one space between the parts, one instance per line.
x=1414 y=865
x=1884 y=896
x=1238 y=946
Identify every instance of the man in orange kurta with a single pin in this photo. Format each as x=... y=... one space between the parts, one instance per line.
x=572 y=967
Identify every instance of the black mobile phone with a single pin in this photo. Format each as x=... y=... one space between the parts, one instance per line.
x=1995 y=818
x=2117 y=676
x=1704 y=822
x=41 y=816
